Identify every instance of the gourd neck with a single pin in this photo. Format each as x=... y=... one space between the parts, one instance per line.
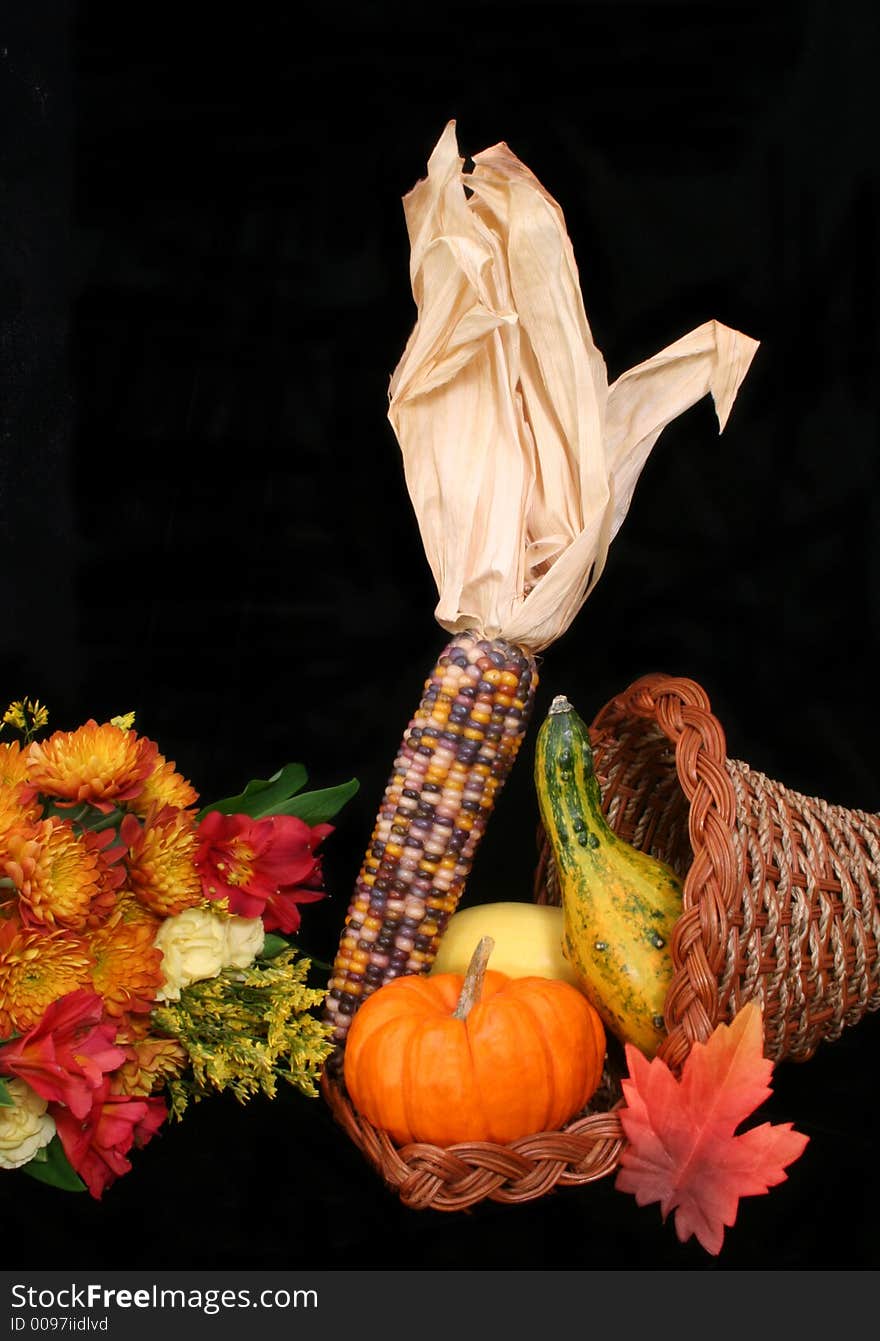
x=579 y=755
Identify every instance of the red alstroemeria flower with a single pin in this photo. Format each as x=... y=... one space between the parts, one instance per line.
x=281 y=912
x=98 y=1146
x=67 y=1054
x=263 y=868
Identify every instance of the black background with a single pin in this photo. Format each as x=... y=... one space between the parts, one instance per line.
x=204 y=292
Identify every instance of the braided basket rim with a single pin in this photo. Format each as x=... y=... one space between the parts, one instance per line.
x=590 y=1147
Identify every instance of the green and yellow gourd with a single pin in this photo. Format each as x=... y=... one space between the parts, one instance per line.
x=619 y=905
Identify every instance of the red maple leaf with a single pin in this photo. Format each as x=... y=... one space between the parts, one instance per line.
x=683 y=1151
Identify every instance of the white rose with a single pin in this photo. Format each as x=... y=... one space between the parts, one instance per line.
x=244 y=940
x=193 y=945
x=25 y=1128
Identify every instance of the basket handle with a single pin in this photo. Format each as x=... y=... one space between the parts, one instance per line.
x=681 y=709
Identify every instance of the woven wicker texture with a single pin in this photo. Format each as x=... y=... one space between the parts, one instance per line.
x=780 y=906
x=780 y=889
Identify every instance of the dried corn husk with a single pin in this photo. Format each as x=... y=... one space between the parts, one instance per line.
x=519 y=458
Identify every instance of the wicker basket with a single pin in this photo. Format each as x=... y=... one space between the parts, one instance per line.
x=780 y=907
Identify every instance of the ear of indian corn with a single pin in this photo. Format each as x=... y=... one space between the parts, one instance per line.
x=520 y=461
x=454 y=759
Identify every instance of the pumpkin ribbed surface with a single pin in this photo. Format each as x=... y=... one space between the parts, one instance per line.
x=526 y=1058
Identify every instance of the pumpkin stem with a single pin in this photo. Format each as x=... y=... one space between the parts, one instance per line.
x=472 y=986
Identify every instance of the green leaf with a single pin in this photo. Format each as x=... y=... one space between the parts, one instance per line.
x=6 y=1099
x=262 y=797
x=273 y=945
x=319 y=807
x=50 y=1165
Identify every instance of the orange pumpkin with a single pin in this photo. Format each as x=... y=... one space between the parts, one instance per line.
x=483 y=1057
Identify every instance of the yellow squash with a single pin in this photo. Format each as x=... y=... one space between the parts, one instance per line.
x=527 y=936
x=620 y=905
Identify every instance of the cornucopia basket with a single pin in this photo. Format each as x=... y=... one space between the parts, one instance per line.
x=780 y=907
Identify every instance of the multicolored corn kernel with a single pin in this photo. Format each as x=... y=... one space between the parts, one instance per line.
x=454 y=759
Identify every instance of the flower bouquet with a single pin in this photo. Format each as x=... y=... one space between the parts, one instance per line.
x=145 y=959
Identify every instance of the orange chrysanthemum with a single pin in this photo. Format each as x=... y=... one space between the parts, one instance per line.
x=10 y=811
x=13 y=764
x=16 y=799
x=36 y=967
x=164 y=787
x=161 y=860
x=12 y=821
x=110 y=853
x=56 y=871
x=129 y=909
x=127 y=967
x=131 y=1029
x=150 y=1063
x=102 y=765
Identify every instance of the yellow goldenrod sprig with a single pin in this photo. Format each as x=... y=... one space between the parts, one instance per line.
x=27 y=716
x=247 y=1029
